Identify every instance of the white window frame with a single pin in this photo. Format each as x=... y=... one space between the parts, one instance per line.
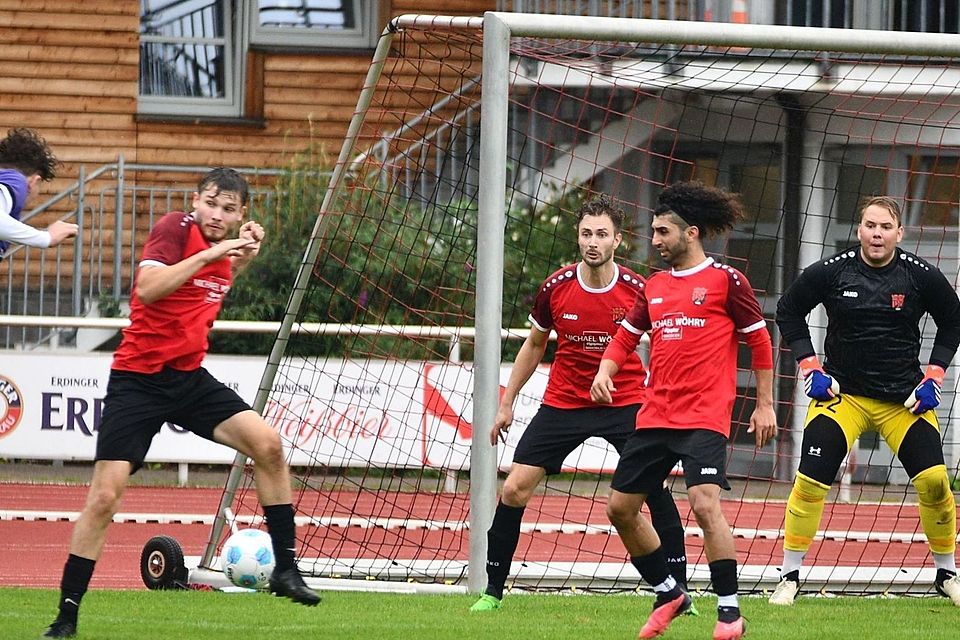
x=234 y=47
x=364 y=36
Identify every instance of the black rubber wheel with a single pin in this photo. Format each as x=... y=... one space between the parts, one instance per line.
x=161 y=564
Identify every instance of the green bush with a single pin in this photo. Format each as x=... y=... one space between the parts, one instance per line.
x=385 y=259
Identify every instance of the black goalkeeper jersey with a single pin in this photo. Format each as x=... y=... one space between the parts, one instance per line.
x=872 y=346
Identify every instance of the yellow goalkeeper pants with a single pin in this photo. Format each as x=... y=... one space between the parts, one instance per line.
x=830 y=430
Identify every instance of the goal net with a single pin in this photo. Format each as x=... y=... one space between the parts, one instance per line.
x=432 y=241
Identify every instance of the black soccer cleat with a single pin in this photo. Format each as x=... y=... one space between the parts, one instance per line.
x=61 y=629
x=948 y=585
x=289 y=583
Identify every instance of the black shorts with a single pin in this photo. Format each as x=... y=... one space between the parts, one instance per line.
x=138 y=404
x=650 y=455
x=553 y=433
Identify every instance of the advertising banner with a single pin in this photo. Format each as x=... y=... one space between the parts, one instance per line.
x=342 y=413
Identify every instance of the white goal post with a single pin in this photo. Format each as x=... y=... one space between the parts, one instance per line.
x=725 y=70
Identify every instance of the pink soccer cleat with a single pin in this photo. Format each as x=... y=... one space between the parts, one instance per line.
x=730 y=630
x=663 y=615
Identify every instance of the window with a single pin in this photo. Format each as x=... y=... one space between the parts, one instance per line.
x=929 y=16
x=933 y=185
x=193 y=52
x=857 y=181
x=189 y=58
x=314 y=23
x=814 y=13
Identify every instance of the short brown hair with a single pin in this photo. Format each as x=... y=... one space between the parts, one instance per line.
x=602 y=205
x=888 y=203
x=225 y=179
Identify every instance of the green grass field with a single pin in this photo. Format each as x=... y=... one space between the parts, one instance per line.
x=158 y=615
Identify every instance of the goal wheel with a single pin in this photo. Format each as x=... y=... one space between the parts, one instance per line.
x=161 y=564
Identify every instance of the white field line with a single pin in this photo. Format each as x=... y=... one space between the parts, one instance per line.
x=445 y=525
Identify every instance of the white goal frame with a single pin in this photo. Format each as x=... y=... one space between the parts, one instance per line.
x=498 y=29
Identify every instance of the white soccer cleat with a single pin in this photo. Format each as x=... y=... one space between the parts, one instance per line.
x=786 y=593
x=950 y=588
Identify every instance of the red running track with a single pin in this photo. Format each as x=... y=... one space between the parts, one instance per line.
x=34 y=550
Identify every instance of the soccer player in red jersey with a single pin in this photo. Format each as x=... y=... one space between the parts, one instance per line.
x=584 y=304
x=186 y=269
x=696 y=312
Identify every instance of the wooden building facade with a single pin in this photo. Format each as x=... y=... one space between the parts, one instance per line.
x=72 y=71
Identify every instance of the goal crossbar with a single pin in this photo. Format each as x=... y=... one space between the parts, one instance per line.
x=498 y=29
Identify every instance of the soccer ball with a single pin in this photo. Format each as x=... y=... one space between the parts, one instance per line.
x=247 y=559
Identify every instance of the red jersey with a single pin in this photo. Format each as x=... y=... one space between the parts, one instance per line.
x=585 y=320
x=172 y=332
x=694 y=317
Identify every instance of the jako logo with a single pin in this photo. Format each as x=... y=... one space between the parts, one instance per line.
x=708 y=471
x=571 y=316
x=851 y=294
x=10 y=406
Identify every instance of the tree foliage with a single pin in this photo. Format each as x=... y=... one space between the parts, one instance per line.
x=387 y=259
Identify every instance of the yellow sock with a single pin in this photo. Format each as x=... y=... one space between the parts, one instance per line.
x=804 y=510
x=938 y=510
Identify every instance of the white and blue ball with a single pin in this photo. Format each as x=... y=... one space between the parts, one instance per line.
x=247 y=558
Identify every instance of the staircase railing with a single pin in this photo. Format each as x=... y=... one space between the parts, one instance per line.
x=115 y=214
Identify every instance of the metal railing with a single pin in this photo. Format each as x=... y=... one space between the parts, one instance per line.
x=925 y=16
x=115 y=215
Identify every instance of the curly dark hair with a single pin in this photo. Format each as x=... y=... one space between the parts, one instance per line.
x=710 y=209
x=599 y=206
x=26 y=151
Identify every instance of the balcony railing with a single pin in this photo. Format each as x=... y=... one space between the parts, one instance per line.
x=925 y=16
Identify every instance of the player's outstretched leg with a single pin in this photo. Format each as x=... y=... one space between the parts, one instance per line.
x=261 y=443
x=286 y=580
x=666 y=522
x=664 y=611
x=948 y=585
x=786 y=590
x=502 y=539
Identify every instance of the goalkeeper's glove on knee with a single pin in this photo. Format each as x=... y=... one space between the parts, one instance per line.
x=817 y=384
x=927 y=394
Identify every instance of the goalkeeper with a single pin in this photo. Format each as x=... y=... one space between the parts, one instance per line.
x=584 y=304
x=870 y=380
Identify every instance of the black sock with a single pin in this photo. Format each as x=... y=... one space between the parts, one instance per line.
x=794 y=576
x=282 y=533
x=76 y=579
x=502 y=539
x=723 y=575
x=653 y=569
x=666 y=521
x=943 y=575
x=728 y=614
